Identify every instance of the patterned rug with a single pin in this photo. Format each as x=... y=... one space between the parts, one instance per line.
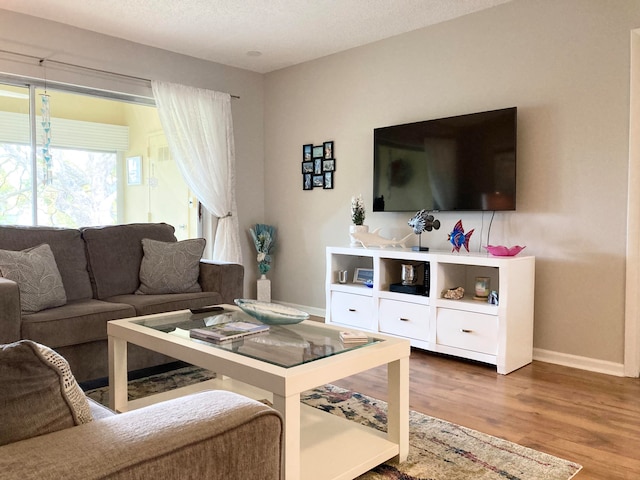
x=438 y=450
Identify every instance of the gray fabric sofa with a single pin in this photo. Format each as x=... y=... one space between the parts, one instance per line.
x=214 y=435
x=100 y=267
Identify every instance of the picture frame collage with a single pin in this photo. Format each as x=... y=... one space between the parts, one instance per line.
x=318 y=166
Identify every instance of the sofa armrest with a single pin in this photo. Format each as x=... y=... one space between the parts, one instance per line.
x=10 y=316
x=225 y=278
x=212 y=435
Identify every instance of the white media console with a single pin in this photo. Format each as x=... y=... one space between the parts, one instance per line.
x=500 y=334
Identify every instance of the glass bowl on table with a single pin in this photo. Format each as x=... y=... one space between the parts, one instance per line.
x=271 y=313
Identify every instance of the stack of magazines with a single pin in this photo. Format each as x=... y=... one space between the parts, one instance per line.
x=226 y=332
x=353 y=337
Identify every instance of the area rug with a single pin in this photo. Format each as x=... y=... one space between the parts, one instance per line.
x=438 y=450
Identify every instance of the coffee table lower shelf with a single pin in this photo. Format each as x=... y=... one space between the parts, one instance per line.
x=335 y=448
x=331 y=447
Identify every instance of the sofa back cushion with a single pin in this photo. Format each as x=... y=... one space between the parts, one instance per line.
x=37 y=275
x=68 y=250
x=115 y=253
x=170 y=267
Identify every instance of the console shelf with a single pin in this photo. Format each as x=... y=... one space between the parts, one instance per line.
x=501 y=334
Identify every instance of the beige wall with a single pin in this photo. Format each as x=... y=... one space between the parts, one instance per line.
x=564 y=64
x=29 y=35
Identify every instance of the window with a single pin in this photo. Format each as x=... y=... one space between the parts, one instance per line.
x=16 y=178
x=82 y=189
x=85 y=182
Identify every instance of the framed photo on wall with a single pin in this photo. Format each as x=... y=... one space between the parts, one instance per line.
x=306 y=152
x=328 y=180
x=307 y=183
x=329 y=165
x=327 y=150
x=134 y=170
x=307 y=167
x=318 y=166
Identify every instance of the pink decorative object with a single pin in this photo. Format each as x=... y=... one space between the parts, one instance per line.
x=502 y=251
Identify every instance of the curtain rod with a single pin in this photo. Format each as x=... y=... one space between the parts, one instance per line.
x=73 y=65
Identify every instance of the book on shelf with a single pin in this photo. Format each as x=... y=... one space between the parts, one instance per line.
x=226 y=332
x=353 y=337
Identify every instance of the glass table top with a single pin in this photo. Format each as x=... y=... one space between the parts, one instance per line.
x=282 y=345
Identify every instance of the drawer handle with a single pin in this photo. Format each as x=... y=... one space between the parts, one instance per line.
x=465 y=330
x=404 y=319
x=352 y=309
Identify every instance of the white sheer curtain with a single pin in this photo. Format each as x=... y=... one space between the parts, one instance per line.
x=199 y=131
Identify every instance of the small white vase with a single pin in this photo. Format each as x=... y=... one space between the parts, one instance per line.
x=357 y=229
x=264 y=289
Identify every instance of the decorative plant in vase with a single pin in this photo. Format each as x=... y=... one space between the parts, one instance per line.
x=264 y=238
x=357 y=219
x=357 y=210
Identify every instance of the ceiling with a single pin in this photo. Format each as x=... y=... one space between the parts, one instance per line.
x=256 y=35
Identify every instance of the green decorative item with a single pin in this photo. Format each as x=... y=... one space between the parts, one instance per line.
x=357 y=210
x=264 y=238
x=357 y=220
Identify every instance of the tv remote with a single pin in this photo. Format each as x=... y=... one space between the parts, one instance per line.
x=207 y=309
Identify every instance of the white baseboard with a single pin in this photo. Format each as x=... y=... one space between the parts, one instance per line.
x=318 y=312
x=575 y=361
x=549 y=356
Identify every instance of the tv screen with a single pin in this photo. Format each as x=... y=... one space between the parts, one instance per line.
x=466 y=163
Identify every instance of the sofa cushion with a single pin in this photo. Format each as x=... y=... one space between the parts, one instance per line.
x=37 y=275
x=170 y=267
x=150 y=304
x=38 y=392
x=115 y=254
x=77 y=322
x=67 y=247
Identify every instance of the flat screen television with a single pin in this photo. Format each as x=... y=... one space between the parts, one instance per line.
x=464 y=163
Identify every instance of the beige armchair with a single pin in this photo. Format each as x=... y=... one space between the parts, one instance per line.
x=212 y=435
x=48 y=431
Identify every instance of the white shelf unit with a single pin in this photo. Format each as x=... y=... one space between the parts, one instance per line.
x=500 y=335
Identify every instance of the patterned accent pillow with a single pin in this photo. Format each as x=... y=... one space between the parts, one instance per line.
x=38 y=392
x=170 y=267
x=37 y=275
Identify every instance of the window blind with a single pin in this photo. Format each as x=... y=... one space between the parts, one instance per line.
x=14 y=128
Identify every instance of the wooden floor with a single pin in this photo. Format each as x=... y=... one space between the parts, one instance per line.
x=589 y=418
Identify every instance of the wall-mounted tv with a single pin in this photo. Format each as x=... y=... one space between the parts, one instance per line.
x=464 y=163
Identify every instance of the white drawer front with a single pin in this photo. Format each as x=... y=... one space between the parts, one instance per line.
x=470 y=331
x=352 y=310
x=405 y=319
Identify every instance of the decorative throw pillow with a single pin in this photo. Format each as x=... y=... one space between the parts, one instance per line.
x=170 y=267
x=37 y=275
x=38 y=392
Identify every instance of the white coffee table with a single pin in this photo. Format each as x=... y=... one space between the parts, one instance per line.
x=279 y=366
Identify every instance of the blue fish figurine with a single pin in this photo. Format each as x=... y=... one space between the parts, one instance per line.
x=458 y=238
